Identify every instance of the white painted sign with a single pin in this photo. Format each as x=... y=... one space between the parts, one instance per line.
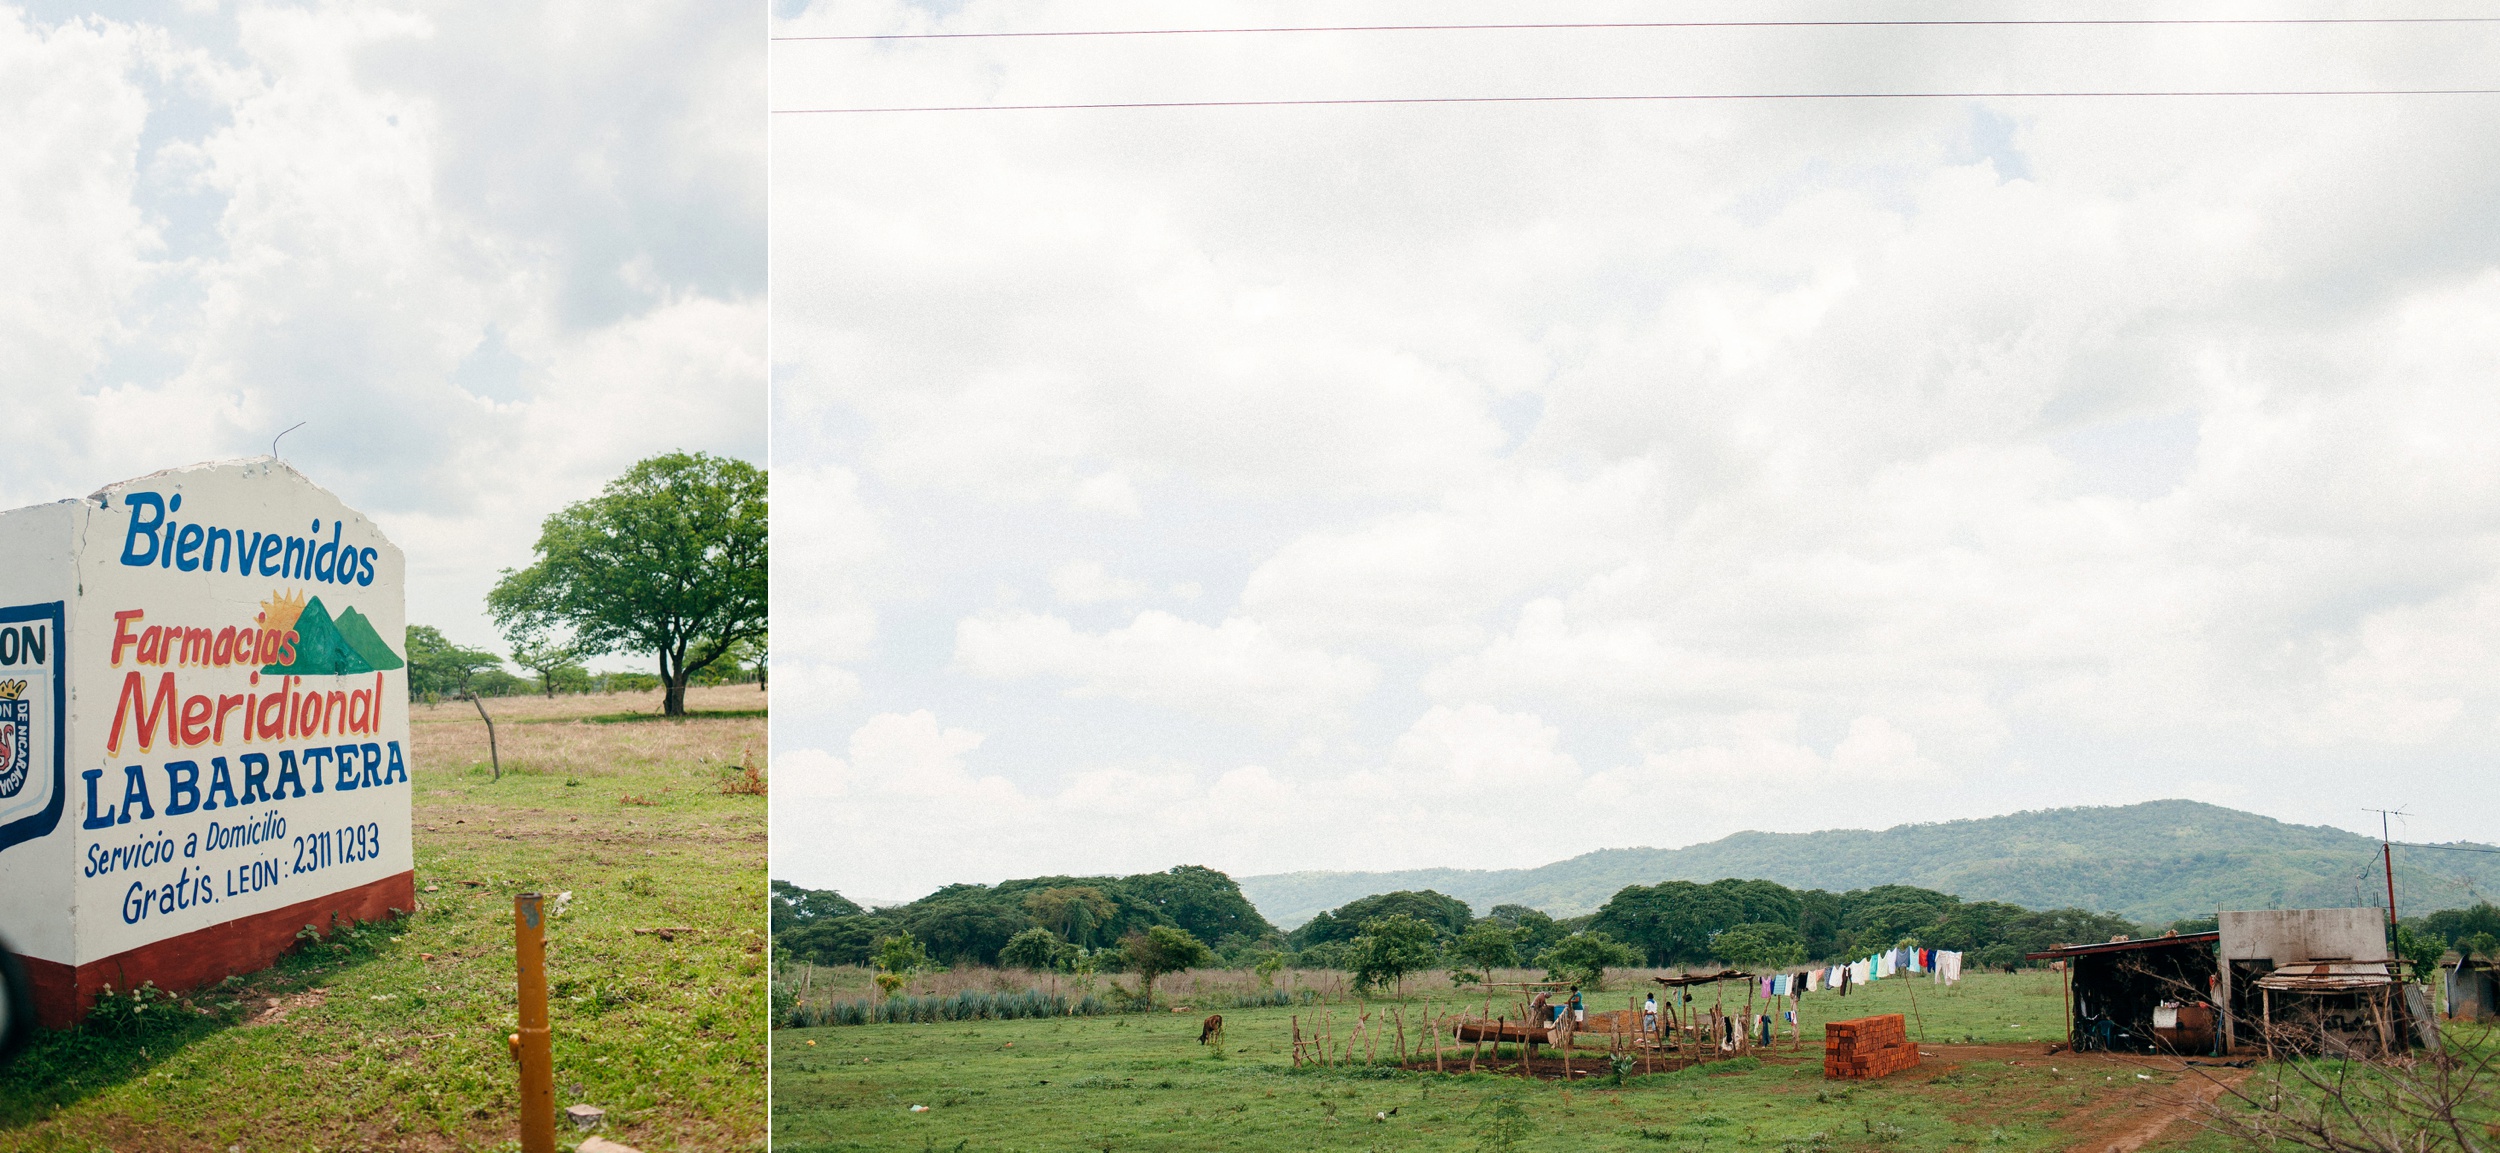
x=203 y=724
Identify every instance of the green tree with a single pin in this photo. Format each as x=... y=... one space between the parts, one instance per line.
x=793 y=906
x=1762 y=945
x=897 y=958
x=1448 y=916
x=1583 y=958
x=834 y=940
x=553 y=661
x=668 y=559
x=1201 y=900
x=1488 y=945
x=964 y=925
x=2048 y=928
x=1818 y=921
x=2420 y=949
x=1268 y=967
x=2453 y=925
x=1037 y=949
x=1884 y=916
x=1389 y=948
x=1537 y=930
x=1975 y=925
x=438 y=668
x=901 y=953
x=1076 y=911
x=1676 y=920
x=1158 y=950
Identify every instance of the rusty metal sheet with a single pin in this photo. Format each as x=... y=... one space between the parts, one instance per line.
x=2327 y=976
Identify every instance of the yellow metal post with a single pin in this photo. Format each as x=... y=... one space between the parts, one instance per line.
x=537 y=1057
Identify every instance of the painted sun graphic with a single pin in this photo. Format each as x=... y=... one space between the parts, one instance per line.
x=280 y=611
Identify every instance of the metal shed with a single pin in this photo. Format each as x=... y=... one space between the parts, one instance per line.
x=2473 y=991
x=2148 y=995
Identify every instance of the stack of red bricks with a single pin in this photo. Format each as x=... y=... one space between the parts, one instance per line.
x=1867 y=1047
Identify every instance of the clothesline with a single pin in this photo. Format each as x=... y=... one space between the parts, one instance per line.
x=1941 y=966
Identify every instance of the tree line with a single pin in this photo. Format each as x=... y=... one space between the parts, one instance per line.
x=1064 y=923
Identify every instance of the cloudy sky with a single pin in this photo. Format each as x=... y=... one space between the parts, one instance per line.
x=489 y=254
x=1474 y=485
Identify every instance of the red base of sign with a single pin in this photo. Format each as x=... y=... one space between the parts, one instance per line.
x=206 y=956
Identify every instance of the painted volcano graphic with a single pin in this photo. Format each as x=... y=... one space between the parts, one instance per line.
x=326 y=647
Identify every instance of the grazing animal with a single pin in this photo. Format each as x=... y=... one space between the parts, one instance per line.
x=1212 y=1032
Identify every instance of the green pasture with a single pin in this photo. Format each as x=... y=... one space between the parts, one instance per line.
x=391 y=1035
x=1142 y=1082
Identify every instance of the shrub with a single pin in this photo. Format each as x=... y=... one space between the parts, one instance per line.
x=965 y=1006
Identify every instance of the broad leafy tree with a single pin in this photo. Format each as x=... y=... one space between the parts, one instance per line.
x=554 y=661
x=439 y=668
x=794 y=906
x=1037 y=949
x=2454 y=925
x=1159 y=950
x=1537 y=929
x=1077 y=912
x=670 y=559
x=1760 y=945
x=1201 y=900
x=1447 y=915
x=1389 y=948
x=1583 y=958
x=1487 y=945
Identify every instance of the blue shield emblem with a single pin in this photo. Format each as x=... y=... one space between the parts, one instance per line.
x=16 y=745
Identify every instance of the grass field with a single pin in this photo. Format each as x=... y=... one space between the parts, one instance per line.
x=1142 y=1082
x=391 y=1036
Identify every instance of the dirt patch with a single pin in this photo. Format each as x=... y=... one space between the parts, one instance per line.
x=1583 y=1065
x=279 y=1007
x=2150 y=1113
x=2108 y=1102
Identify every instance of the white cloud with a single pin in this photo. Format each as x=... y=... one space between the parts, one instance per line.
x=1234 y=668
x=830 y=546
x=1087 y=582
x=489 y=257
x=1947 y=457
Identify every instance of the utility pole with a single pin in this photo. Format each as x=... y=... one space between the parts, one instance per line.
x=2387 y=857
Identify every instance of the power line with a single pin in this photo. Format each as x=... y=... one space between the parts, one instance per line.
x=1660 y=24
x=1709 y=96
x=2444 y=848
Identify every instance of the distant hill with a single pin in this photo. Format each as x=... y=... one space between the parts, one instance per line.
x=2155 y=862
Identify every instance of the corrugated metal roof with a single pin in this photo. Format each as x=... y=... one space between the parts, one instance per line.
x=2124 y=946
x=2327 y=976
